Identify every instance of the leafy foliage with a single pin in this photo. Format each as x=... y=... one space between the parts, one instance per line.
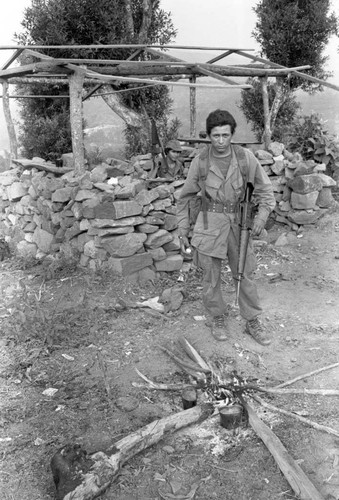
x=309 y=137
x=86 y=22
x=295 y=33
x=252 y=106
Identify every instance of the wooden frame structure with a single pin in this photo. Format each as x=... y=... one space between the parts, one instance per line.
x=147 y=65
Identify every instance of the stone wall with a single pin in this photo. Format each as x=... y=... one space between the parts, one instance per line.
x=114 y=217
x=301 y=188
x=110 y=217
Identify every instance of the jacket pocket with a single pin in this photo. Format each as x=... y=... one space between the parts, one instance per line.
x=205 y=241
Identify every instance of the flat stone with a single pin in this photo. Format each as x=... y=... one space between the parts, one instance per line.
x=262 y=154
x=278 y=167
x=162 y=204
x=319 y=167
x=158 y=239
x=172 y=263
x=145 y=197
x=325 y=198
x=164 y=191
x=304 y=201
x=85 y=194
x=43 y=239
x=102 y=186
x=326 y=180
x=99 y=173
x=304 y=184
x=170 y=222
x=174 y=245
x=157 y=253
x=127 y=221
x=16 y=191
x=117 y=210
x=278 y=183
x=125 y=266
x=302 y=217
x=147 y=228
x=62 y=195
x=94 y=231
x=9 y=176
x=124 y=245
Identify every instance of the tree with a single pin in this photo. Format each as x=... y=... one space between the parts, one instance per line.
x=294 y=33
x=62 y=22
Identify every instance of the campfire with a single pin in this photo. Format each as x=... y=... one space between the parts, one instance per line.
x=211 y=391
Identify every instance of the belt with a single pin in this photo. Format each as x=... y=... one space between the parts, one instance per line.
x=226 y=208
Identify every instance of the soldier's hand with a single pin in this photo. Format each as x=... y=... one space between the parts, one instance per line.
x=258 y=226
x=184 y=243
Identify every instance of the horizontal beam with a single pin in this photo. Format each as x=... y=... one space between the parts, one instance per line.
x=297 y=73
x=118 y=46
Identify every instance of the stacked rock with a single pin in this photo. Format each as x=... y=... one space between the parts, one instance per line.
x=108 y=217
x=301 y=188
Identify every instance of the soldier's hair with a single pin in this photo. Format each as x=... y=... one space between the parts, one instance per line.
x=219 y=118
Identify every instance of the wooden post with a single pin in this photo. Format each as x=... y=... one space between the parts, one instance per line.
x=267 y=129
x=193 y=108
x=76 y=80
x=13 y=143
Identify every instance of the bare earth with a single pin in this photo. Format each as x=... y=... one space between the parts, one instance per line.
x=60 y=330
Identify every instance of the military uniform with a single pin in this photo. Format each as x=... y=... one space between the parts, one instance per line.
x=219 y=238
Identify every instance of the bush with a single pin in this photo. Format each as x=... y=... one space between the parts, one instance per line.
x=308 y=136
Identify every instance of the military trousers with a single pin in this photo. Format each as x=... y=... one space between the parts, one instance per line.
x=213 y=300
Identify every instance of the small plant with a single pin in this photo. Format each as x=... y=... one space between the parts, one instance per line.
x=309 y=137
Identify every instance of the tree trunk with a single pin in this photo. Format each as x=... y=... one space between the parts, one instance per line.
x=129 y=19
x=146 y=21
x=13 y=145
x=267 y=134
x=75 y=92
x=116 y=103
x=281 y=91
x=193 y=108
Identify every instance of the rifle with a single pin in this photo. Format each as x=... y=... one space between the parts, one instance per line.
x=156 y=141
x=245 y=229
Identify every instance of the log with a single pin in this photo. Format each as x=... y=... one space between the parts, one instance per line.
x=304 y=489
x=41 y=166
x=105 y=468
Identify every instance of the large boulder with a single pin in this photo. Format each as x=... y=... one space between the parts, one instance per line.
x=304 y=184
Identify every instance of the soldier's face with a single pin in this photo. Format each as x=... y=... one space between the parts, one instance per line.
x=221 y=139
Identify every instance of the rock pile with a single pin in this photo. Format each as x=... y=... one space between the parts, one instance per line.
x=109 y=217
x=301 y=188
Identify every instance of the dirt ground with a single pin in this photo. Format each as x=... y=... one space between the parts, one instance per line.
x=60 y=330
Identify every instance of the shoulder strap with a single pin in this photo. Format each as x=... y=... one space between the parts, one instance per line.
x=242 y=160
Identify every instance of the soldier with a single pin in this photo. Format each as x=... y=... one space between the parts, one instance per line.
x=220 y=174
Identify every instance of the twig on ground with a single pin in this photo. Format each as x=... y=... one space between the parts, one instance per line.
x=221 y=468
x=304 y=420
x=159 y=387
x=306 y=375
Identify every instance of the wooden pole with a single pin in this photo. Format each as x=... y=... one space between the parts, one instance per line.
x=299 y=482
x=13 y=144
x=267 y=129
x=193 y=108
x=76 y=81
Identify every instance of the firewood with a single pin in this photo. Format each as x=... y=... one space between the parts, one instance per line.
x=304 y=489
x=106 y=467
x=304 y=420
x=306 y=375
